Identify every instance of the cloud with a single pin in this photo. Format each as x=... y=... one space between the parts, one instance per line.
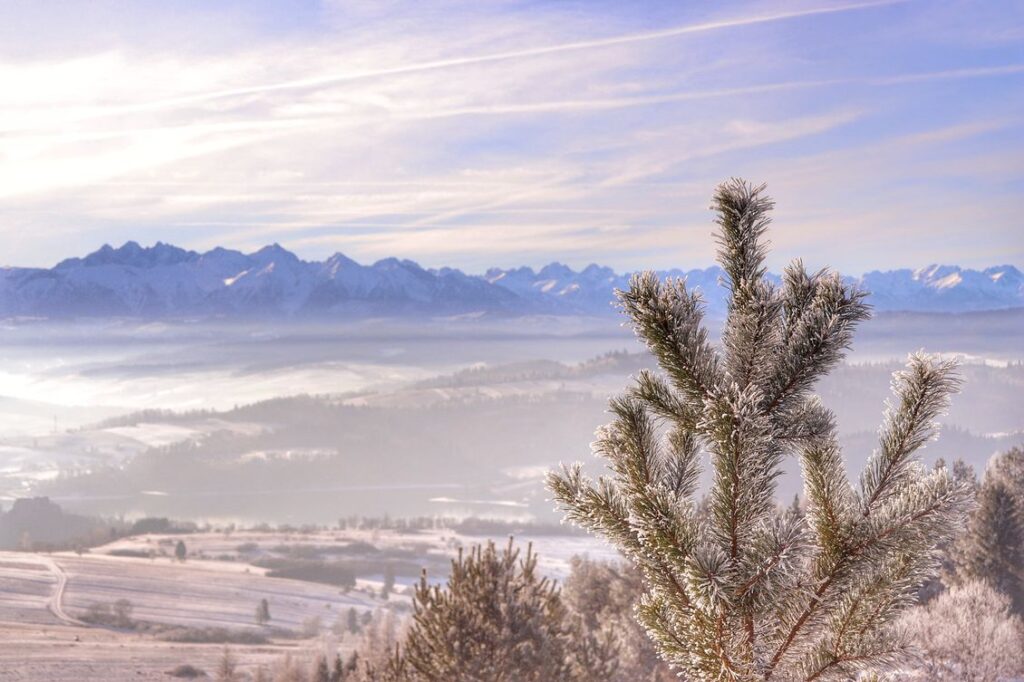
x=494 y=132
x=332 y=79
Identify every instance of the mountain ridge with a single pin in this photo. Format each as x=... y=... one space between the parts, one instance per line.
x=164 y=280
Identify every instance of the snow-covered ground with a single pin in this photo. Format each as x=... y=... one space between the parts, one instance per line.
x=201 y=593
x=433 y=547
x=190 y=594
x=64 y=653
x=42 y=596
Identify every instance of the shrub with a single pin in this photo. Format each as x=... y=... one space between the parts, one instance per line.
x=312 y=626
x=330 y=573
x=132 y=553
x=118 y=614
x=186 y=671
x=212 y=635
x=150 y=524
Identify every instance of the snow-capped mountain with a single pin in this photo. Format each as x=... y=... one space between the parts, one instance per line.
x=946 y=288
x=164 y=280
x=167 y=281
x=937 y=288
x=591 y=289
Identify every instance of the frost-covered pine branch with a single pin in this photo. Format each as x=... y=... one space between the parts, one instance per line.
x=744 y=592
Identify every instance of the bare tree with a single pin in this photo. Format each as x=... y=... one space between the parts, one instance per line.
x=227 y=667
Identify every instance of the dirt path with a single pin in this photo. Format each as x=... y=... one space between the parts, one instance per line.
x=55 y=602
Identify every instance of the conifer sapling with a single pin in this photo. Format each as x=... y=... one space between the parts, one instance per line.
x=746 y=592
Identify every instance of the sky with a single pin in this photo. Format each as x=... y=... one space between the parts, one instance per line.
x=476 y=134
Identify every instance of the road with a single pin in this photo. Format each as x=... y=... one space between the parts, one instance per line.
x=55 y=602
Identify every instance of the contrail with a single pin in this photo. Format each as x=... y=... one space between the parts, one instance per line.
x=647 y=100
x=979 y=72
x=519 y=54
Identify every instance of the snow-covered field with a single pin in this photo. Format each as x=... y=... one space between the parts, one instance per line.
x=433 y=547
x=64 y=653
x=191 y=593
x=42 y=597
x=200 y=593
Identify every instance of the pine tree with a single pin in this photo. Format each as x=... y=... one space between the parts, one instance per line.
x=993 y=547
x=353 y=621
x=352 y=664
x=750 y=593
x=495 y=619
x=262 y=612
x=795 y=509
x=322 y=673
x=338 y=670
x=949 y=549
x=179 y=551
x=606 y=642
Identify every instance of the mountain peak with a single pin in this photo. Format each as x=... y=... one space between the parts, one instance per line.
x=1004 y=274
x=165 y=280
x=341 y=258
x=132 y=254
x=393 y=263
x=555 y=269
x=936 y=271
x=272 y=252
x=339 y=262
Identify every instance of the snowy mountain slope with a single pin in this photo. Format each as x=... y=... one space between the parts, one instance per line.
x=937 y=288
x=167 y=281
x=591 y=289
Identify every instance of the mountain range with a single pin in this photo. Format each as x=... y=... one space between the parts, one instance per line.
x=165 y=281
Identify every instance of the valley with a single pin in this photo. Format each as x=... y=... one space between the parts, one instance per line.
x=249 y=424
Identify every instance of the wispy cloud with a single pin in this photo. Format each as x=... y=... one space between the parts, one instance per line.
x=320 y=81
x=491 y=134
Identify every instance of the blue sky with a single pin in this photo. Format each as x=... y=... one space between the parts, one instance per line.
x=891 y=134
